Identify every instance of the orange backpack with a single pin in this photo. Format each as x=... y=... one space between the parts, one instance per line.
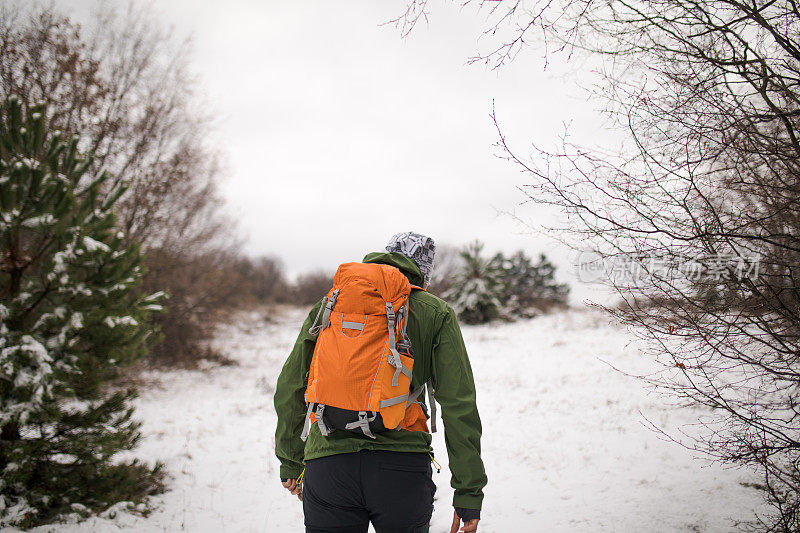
x=360 y=373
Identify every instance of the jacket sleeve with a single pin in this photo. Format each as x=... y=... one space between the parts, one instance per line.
x=290 y=404
x=454 y=390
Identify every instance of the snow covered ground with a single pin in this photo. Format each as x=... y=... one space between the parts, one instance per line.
x=564 y=442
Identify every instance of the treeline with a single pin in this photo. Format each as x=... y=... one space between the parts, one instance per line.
x=262 y=280
x=479 y=289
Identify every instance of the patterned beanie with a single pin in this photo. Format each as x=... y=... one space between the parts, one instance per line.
x=417 y=247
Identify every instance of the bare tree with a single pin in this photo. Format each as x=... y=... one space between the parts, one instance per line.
x=698 y=220
x=262 y=281
x=309 y=288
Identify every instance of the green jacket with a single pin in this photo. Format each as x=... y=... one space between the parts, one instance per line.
x=439 y=354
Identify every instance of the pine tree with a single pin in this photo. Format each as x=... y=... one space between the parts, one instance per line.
x=531 y=286
x=70 y=319
x=502 y=287
x=478 y=286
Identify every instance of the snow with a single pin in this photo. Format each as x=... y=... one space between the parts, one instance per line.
x=155 y=296
x=7 y=217
x=565 y=443
x=76 y=321
x=115 y=321
x=40 y=360
x=36 y=222
x=17 y=510
x=26 y=162
x=60 y=260
x=93 y=245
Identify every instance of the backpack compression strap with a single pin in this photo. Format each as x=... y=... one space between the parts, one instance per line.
x=394 y=356
x=326 y=316
x=408 y=397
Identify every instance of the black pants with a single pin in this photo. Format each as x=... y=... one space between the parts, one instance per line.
x=344 y=493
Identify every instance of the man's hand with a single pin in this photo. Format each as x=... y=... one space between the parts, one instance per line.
x=469 y=527
x=297 y=488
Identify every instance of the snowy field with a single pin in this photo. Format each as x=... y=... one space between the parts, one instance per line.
x=564 y=442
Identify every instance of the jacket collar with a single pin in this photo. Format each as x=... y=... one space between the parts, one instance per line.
x=405 y=264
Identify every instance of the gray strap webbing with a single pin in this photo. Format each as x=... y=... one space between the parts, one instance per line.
x=352 y=325
x=408 y=397
x=404 y=310
x=390 y=322
x=314 y=329
x=318 y=415
x=307 y=424
x=432 y=402
x=362 y=424
x=394 y=401
x=394 y=357
x=397 y=363
x=326 y=316
x=415 y=394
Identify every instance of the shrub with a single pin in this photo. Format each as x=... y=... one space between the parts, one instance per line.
x=477 y=288
x=310 y=288
x=483 y=289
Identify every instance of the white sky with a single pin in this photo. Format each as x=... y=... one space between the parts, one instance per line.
x=339 y=133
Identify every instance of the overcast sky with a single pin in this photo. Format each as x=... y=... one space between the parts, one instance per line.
x=338 y=133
